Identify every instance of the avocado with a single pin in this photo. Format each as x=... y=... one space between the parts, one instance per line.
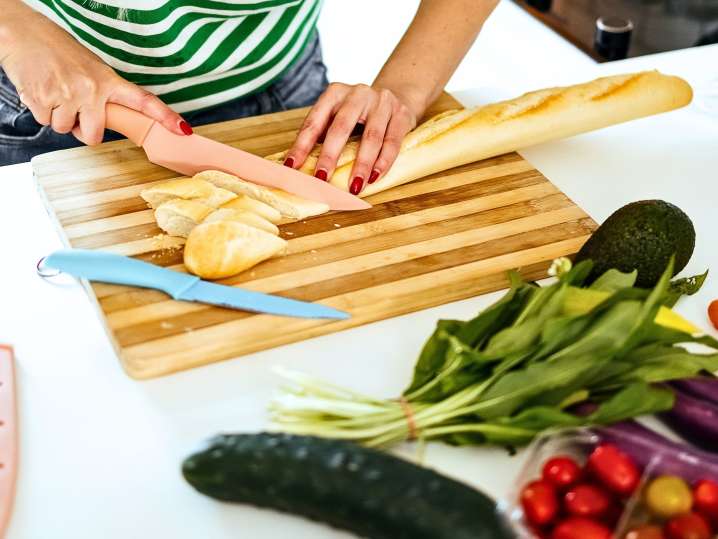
x=642 y=236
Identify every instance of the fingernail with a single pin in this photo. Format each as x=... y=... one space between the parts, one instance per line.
x=185 y=127
x=374 y=176
x=321 y=174
x=289 y=162
x=357 y=184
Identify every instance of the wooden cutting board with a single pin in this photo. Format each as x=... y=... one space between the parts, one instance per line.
x=445 y=237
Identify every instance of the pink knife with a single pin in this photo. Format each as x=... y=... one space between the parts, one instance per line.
x=190 y=154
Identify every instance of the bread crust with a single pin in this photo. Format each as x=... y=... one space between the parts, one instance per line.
x=225 y=248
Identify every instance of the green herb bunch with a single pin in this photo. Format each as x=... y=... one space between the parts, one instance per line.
x=523 y=365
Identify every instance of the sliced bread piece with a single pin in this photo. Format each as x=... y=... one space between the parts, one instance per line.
x=287 y=204
x=242 y=216
x=187 y=189
x=177 y=217
x=225 y=248
x=243 y=202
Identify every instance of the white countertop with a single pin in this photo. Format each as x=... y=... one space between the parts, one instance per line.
x=100 y=453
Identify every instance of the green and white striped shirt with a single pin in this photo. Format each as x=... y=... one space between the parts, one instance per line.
x=192 y=53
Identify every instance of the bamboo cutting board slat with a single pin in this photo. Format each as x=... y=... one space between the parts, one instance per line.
x=445 y=237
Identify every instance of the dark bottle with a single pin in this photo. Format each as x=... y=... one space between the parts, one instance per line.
x=613 y=37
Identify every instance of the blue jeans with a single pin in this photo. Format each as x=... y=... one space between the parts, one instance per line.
x=21 y=137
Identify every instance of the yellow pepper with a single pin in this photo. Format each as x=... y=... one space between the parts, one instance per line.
x=582 y=300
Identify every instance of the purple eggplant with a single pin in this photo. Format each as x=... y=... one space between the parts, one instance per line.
x=695 y=419
x=703 y=387
x=662 y=456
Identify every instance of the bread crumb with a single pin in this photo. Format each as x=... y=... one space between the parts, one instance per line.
x=289 y=233
x=313 y=251
x=166 y=325
x=337 y=225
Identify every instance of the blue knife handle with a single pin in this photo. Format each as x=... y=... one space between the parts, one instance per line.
x=118 y=269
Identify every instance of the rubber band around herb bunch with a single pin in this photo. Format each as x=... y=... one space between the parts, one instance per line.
x=410 y=421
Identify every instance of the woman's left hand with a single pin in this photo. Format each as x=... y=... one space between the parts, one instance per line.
x=386 y=118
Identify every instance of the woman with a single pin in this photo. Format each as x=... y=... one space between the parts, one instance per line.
x=188 y=62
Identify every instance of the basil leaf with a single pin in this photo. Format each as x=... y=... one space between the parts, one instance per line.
x=686 y=286
x=633 y=400
x=614 y=280
x=658 y=363
x=433 y=355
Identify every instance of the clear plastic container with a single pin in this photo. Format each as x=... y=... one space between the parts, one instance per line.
x=578 y=444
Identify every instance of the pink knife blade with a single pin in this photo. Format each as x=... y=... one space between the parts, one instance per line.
x=194 y=153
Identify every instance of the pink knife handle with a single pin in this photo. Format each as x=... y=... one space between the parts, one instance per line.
x=131 y=123
x=8 y=436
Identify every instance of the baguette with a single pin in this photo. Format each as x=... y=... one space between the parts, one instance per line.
x=287 y=204
x=226 y=248
x=459 y=137
x=243 y=202
x=186 y=189
x=177 y=217
x=242 y=216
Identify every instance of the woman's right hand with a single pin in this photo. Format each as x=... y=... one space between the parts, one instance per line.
x=64 y=84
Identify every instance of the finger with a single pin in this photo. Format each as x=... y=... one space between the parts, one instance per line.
x=63 y=118
x=398 y=127
x=42 y=114
x=91 y=126
x=351 y=111
x=315 y=125
x=131 y=95
x=370 y=146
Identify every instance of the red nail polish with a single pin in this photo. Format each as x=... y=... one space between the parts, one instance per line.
x=289 y=162
x=357 y=184
x=321 y=174
x=374 y=176
x=185 y=127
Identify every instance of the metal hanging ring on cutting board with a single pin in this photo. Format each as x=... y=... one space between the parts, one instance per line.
x=45 y=273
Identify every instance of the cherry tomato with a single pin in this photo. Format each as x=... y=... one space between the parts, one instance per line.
x=540 y=502
x=561 y=472
x=668 y=496
x=614 y=469
x=705 y=499
x=713 y=313
x=580 y=528
x=586 y=500
x=688 y=526
x=646 y=532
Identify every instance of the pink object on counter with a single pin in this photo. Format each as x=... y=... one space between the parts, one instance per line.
x=8 y=436
x=190 y=154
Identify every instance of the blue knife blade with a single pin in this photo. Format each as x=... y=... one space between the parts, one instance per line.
x=118 y=269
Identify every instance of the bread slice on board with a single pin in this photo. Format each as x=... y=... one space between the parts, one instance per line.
x=242 y=216
x=243 y=202
x=187 y=189
x=459 y=137
x=177 y=217
x=226 y=248
x=287 y=204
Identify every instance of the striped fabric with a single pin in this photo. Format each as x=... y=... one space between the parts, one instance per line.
x=194 y=54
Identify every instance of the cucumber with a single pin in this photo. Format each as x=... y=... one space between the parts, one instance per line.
x=365 y=491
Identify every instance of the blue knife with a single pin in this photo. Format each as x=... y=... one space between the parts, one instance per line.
x=118 y=269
